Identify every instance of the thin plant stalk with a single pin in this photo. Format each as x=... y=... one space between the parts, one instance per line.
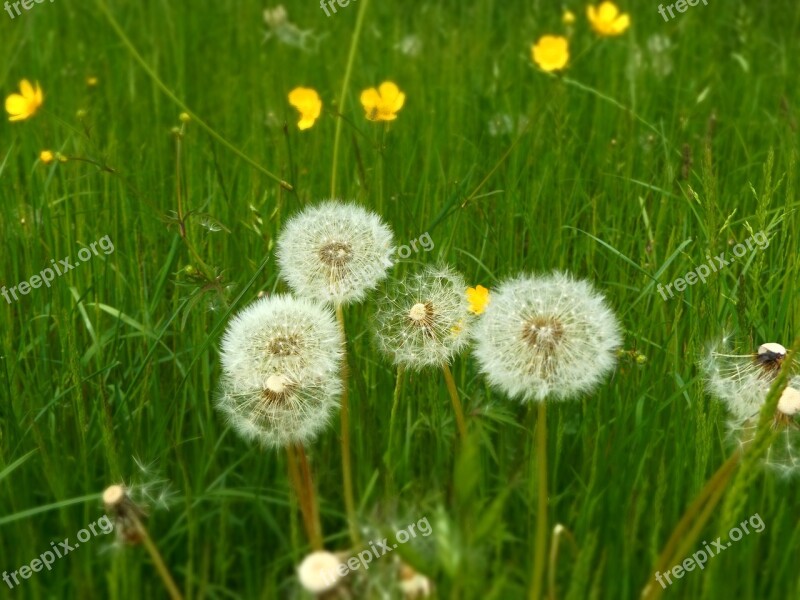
x=158 y=561
x=362 y=10
x=312 y=503
x=559 y=531
x=347 y=472
x=540 y=544
x=702 y=508
x=301 y=491
x=453 y=391
x=392 y=422
x=120 y=33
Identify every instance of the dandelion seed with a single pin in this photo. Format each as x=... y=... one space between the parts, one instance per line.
x=550 y=336
x=424 y=321
x=25 y=104
x=335 y=252
x=281 y=358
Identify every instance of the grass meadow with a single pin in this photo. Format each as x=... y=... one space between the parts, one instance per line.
x=651 y=151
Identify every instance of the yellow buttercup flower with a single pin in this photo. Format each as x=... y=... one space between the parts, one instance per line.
x=551 y=52
x=307 y=102
x=568 y=18
x=47 y=157
x=382 y=104
x=478 y=298
x=607 y=20
x=25 y=104
x=92 y=81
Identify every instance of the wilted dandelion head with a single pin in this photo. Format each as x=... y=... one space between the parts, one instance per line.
x=335 y=252
x=742 y=380
x=424 y=321
x=281 y=358
x=318 y=572
x=550 y=336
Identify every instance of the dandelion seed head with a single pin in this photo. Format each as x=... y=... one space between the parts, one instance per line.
x=335 y=252
x=318 y=572
x=742 y=380
x=789 y=403
x=551 y=336
x=281 y=358
x=424 y=321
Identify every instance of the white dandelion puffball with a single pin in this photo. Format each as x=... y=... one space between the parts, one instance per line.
x=319 y=572
x=281 y=358
x=424 y=321
x=335 y=252
x=789 y=403
x=550 y=336
x=742 y=381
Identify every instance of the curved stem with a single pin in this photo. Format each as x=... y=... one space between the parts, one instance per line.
x=453 y=391
x=152 y=74
x=347 y=473
x=362 y=10
x=158 y=561
x=704 y=503
x=540 y=545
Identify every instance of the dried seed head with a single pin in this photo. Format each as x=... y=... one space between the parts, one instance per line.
x=281 y=358
x=550 y=336
x=424 y=321
x=334 y=252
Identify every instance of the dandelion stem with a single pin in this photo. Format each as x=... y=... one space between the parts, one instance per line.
x=540 y=544
x=362 y=10
x=347 y=473
x=311 y=498
x=152 y=74
x=302 y=497
x=158 y=561
x=459 y=411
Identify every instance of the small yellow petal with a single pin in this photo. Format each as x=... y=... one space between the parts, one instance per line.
x=478 y=298
x=16 y=104
x=370 y=98
x=46 y=157
x=27 y=90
